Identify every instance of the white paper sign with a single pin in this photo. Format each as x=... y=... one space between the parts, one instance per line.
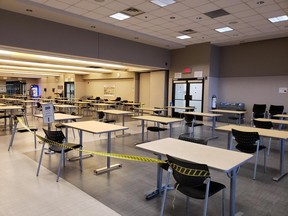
x=198 y=74
x=48 y=113
x=177 y=75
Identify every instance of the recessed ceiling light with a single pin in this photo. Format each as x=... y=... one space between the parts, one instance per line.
x=120 y=16
x=163 y=3
x=278 y=19
x=224 y=29
x=183 y=37
x=198 y=18
x=172 y=17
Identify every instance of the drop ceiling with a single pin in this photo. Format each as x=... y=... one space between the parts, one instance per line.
x=159 y=26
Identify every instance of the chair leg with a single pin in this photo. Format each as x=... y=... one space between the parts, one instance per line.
x=265 y=159
x=12 y=137
x=40 y=160
x=256 y=162
x=269 y=145
x=80 y=161
x=165 y=191
x=35 y=141
x=223 y=201
x=206 y=198
x=62 y=158
x=187 y=205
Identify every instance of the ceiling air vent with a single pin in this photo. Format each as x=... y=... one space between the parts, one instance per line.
x=132 y=11
x=187 y=32
x=217 y=13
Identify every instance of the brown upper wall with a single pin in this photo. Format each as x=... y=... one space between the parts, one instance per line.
x=18 y=30
x=262 y=58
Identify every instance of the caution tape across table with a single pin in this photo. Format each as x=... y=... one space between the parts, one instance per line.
x=182 y=170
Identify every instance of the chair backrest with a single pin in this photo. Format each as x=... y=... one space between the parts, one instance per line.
x=189 y=118
x=259 y=108
x=56 y=136
x=193 y=139
x=263 y=124
x=101 y=115
x=198 y=173
x=276 y=109
x=245 y=138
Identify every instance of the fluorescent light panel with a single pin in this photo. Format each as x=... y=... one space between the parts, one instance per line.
x=44 y=65
x=57 y=59
x=183 y=37
x=224 y=29
x=27 y=73
x=278 y=19
x=120 y=16
x=163 y=3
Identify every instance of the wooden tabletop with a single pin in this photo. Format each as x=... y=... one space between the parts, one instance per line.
x=217 y=158
x=178 y=107
x=150 y=109
x=10 y=107
x=228 y=111
x=262 y=132
x=276 y=121
x=61 y=116
x=95 y=126
x=203 y=114
x=159 y=119
x=115 y=112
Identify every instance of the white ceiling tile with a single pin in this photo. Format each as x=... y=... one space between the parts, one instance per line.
x=225 y=18
x=209 y=22
x=39 y=1
x=86 y=5
x=93 y=15
x=260 y=22
x=237 y=8
x=283 y=4
x=253 y=3
x=189 y=12
x=273 y=14
x=158 y=21
x=195 y=3
x=104 y=11
x=267 y=8
x=76 y=10
x=160 y=12
x=117 y=6
x=176 y=7
x=182 y=21
x=245 y=13
x=227 y=3
x=131 y=3
x=147 y=6
x=252 y=18
x=70 y=2
x=57 y=4
x=207 y=8
x=146 y=17
x=169 y=25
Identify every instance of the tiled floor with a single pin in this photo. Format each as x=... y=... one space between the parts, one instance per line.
x=123 y=190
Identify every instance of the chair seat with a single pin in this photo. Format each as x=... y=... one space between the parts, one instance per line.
x=59 y=125
x=23 y=130
x=70 y=146
x=187 y=137
x=156 y=129
x=109 y=121
x=190 y=124
x=249 y=148
x=199 y=192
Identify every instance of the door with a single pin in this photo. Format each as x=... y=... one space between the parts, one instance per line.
x=186 y=93
x=69 y=90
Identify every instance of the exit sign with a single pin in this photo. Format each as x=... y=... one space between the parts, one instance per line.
x=187 y=70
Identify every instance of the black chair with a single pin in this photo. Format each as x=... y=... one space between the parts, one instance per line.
x=265 y=125
x=274 y=110
x=186 y=137
x=61 y=126
x=190 y=121
x=102 y=118
x=258 y=111
x=249 y=142
x=156 y=128
x=193 y=180
x=59 y=138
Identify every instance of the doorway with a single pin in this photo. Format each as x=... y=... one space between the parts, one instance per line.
x=187 y=93
x=69 y=90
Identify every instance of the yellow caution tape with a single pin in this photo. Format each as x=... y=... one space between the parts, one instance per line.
x=182 y=170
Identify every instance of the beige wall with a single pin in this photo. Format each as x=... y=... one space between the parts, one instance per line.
x=152 y=89
x=124 y=88
x=251 y=90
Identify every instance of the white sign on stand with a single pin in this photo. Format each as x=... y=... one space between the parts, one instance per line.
x=48 y=113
